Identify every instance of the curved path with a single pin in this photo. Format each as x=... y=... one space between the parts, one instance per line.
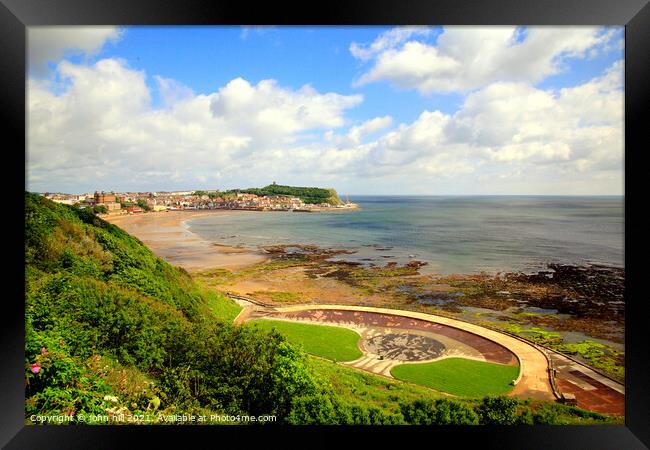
x=533 y=380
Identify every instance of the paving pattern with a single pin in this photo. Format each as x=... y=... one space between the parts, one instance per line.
x=381 y=330
x=484 y=349
x=388 y=340
x=404 y=347
x=592 y=390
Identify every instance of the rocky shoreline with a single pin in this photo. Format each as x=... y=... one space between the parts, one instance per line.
x=578 y=310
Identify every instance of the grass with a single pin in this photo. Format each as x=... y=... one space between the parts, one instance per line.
x=222 y=307
x=362 y=388
x=600 y=356
x=365 y=389
x=278 y=296
x=462 y=377
x=605 y=358
x=335 y=343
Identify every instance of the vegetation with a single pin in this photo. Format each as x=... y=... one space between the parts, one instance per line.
x=600 y=356
x=441 y=412
x=335 y=343
x=143 y=204
x=277 y=296
x=104 y=313
x=111 y=329
x=210 y=194
x=306 y=194
x=415 y=404
x=460 y=376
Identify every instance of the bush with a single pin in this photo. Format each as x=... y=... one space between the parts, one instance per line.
x=102 y=292
x=440 y=412
x=545 y=415
x=57 y=383
x=498 y=411
x=316 y=409
x=324 y=408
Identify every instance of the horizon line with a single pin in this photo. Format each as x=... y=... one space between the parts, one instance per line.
x=359 y=195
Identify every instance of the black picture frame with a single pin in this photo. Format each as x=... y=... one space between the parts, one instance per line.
x=16 y=15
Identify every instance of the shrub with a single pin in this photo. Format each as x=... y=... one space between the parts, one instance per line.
x=498 y=411
x=440 y=412
x=59 y=384
x=316 y=409
x=545 y=415
x=102 y=292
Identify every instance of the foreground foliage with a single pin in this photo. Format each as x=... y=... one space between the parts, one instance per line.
x=95 y=293
x=113 y=330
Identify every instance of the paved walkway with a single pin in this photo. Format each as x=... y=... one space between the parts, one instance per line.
x=593 y=391
x=491 y=345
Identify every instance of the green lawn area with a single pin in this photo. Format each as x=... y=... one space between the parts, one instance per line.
x=458 y=376
x=335 y=343
x=361 y=388
x=222 y=307
x=358 y=387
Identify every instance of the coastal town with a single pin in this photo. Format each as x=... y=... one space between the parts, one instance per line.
x=113 y=203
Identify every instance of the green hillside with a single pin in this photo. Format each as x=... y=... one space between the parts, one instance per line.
x=112 y=330
x=107 y=319
x=306 y=194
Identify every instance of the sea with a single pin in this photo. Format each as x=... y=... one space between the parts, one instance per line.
x=452 y=234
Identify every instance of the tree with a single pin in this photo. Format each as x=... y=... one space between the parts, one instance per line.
x=498 y=411
x=143 y=204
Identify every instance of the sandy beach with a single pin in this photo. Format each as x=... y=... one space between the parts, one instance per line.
x=165 y=234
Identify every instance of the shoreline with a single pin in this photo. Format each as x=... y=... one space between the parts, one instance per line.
x=568 y=307
x=562 y=315
x=169 y=237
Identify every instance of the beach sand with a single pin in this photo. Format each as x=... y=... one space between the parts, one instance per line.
x=165 y=234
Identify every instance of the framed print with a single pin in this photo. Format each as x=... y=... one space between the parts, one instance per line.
x=373 y=220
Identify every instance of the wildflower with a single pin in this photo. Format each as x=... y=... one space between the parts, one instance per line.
x=43 y=350
x=36 y=368
x=110 y=398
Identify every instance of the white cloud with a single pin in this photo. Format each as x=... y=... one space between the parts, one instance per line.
x=171 y=91
x=469 y=58
x=267 y=111
x=369 y=127
x=100 y=130
x=102 y=127
x=259 y=30
x=388 y=40
x=504 y=133
x=49 y=44
x=357 y=133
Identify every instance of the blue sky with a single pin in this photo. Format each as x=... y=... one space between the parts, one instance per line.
x=414 y=110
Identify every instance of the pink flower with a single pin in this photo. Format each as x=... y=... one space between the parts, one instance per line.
x=43 y=350
x=36 y=368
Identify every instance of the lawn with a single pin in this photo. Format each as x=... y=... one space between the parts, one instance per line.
x=222 y=307
x=335 y=343
x=458 y=376
x=358 y=387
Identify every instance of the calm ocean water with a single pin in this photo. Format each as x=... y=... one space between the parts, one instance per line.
x=452 y=234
